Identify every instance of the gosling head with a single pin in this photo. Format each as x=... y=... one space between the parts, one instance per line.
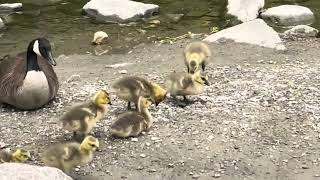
x=201 y=78
x=21 y=155
x=193 y=66
x=101 y=98
x=90 y=143
x=144 y=103
x=42 y=47
x=159 y=94
x=194 y=58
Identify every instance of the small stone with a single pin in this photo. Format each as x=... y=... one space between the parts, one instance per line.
x=139 y=168
x=152 y=170
x=123 y=71
x=134 y=139
x=154 y=138
x=170 y=165
x=155 y=21
x=74 y=78
x=143 y=155
x=217 y=175
x=316 y=175
x=99 y=37
x=195 y=176
x=304 y=166
x=77 y=169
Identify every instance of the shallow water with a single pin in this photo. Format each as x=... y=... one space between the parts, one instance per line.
x=70 y=32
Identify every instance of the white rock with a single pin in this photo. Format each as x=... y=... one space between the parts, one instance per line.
x=27 y=172
x=123 y=71
x=119 y=10
x=118 y=65
x=1 y=24
x=245 y=10
x=99 y=37
x=288 y=15
x=255 y=32
x=10 y=6
x=301 y=31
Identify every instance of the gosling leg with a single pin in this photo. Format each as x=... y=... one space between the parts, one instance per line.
x=129 y=105
x=203 y=67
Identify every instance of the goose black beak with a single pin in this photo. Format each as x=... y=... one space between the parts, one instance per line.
x=51 y=59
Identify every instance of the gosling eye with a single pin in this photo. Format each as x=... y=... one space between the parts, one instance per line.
x=92 y=145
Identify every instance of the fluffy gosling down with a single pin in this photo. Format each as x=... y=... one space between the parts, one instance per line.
x=69 y=155
x=183 y=84
x=83 y=118
x=132 y=87
x=196 y=54
x=20 y=156
x=133 y=123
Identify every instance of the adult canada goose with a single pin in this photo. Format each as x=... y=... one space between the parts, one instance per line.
x=28 y=81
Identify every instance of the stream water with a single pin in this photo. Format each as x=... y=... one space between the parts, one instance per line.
x=70 y=32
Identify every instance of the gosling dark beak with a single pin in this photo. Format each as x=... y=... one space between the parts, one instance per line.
x=51 y=59
x=206 y=82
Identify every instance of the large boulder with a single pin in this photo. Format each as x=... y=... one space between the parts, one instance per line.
x=255 y=32
x=27 y=172
x=288 y=15
x=245 y=10
x=119 y=11
x=301 y=31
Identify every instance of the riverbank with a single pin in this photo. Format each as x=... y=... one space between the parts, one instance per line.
x=258 y=119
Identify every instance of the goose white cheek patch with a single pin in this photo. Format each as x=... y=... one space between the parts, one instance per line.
x=36 y=48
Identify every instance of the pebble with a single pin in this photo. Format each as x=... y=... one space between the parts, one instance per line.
x=123 y=71
x=152 y=170
x=217 y=175
x=154 y=138
x=170 y=165
x=73 y=78
x=143 y=155
x=304 y=166
x=134 y=139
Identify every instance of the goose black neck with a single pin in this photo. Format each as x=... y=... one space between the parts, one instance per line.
x=32 y=60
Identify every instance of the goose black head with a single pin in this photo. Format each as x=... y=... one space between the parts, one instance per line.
x=42 y=47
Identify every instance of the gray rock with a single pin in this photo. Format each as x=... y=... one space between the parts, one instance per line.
x=245 y=10
x=301 y=31
x=288 y=15
x=255 y=32
x=10 y=6
x=119 y=11
x=27 y=172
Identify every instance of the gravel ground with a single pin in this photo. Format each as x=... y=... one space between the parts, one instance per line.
x=258 y=119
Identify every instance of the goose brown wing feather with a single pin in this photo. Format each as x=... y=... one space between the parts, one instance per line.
x=12 y=73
